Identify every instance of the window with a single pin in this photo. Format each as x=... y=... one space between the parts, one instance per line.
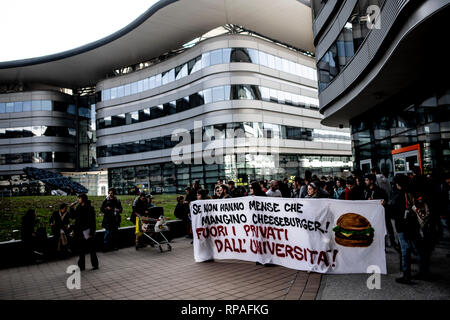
x=158 y=80
x=134 y=88
x=18 y=106
x=106 y=95
x=181 y=71
x=194 y=65
x=196 y=100
x=127 y=89
x=146 y=84
x=278 y=64
x=216 y=56
x=263 y=59
x=134 y=117
x=10 y=107
x=27 y=106
x=46 y=105
x=120 y=92
x=108 y=122
x=241 y=55
x=182 y=104
x=207 y=95
x=152 y=82
x=218 y=94
x=140 y=85
x=36 y=105
x=157 y=111
x=170 y=107
x=205 y=60
x=271 y=61
x=265 y=93
x=118 y=120
x=285 y=65
x=113 y=93
x=226 y=55
x=254 y=56
x=144 y=115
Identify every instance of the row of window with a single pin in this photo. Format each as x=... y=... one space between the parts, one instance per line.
x=210 y=95
x=219 y=56
x=37 y=131
x=37 y=105
x=347 y=43
x=241 y=168
x=37 y=157
x=218 y=131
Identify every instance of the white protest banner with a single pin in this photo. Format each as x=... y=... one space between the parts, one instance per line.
x=320 y=235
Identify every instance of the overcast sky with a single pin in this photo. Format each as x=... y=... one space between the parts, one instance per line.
x=32 y=28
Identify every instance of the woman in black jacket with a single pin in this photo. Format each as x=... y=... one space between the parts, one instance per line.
x=60 y=225
x=255 y=190
x=84 y=229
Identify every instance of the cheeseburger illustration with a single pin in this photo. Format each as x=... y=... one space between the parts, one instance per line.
x=353 y=230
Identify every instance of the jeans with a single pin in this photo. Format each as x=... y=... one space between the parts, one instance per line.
x=407 y=246
x=110 y=238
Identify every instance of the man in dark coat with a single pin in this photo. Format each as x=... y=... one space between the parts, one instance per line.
x=111 y=208
x=84 y=229
x=372 y=191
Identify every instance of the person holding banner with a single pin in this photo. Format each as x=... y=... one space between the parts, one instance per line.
x=273 y=191
x=314 y=193
x=296 y=187
x=255 y=190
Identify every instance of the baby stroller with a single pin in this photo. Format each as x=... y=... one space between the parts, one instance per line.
x=151 y=225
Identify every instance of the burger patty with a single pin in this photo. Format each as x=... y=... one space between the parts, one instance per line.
x=355 y=236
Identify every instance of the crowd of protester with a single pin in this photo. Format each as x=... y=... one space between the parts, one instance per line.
x=415 y=206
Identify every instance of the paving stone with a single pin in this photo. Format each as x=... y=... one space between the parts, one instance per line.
x=147 y=274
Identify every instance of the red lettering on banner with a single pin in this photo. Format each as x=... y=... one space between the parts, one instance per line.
x=312 y=252
x=298 y=253
x=270 y=246
x=228 y=245
x=219 y=245
x=289 y=251
x=279 y=247
x=323 y=258
x=199 y=231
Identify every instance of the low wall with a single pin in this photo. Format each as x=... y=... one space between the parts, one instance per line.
x=12 y=252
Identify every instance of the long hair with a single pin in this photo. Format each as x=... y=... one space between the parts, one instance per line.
x=257 y=191
x=84 y=198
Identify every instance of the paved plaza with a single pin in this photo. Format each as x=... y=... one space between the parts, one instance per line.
x=150 y=275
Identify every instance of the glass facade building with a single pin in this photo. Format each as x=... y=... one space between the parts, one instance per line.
x=387 y=82
x=94 y=109
x=241 y=168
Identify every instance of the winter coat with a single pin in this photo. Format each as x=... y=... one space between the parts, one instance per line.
x=111 y=218
x=84 y=219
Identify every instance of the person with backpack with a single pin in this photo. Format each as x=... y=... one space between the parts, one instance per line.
x=84 y=230
x=111 y=208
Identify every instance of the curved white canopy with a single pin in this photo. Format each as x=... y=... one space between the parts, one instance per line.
x=165 y=26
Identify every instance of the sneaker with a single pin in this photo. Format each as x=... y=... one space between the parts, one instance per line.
x=94 y=268
x=403 y=280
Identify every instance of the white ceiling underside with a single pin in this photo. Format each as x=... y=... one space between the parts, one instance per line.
x=287 y=21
